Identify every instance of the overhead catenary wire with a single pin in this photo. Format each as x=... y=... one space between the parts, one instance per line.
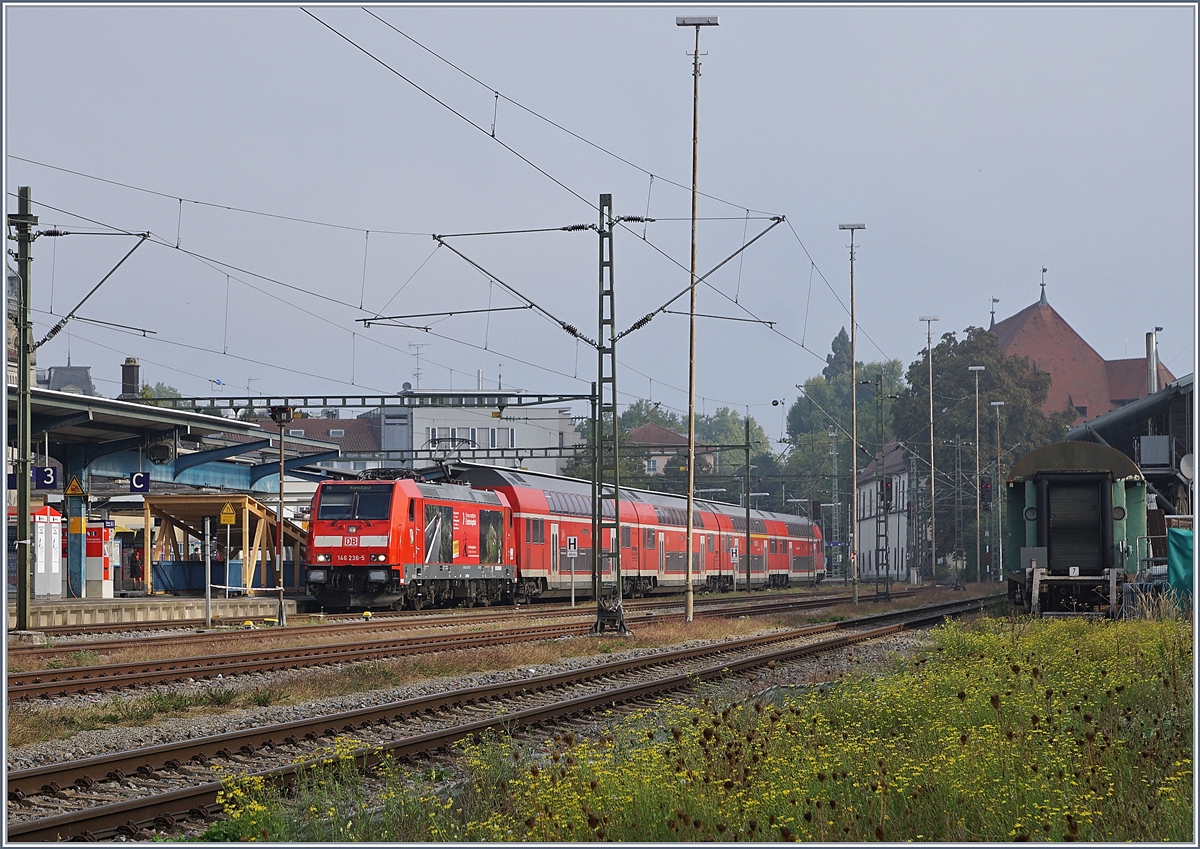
x=566 y=326
x=226 y=207
x=221 y=267
x=552 y=123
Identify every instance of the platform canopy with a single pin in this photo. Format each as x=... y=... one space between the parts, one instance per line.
x=253 y=526
x=73 y=418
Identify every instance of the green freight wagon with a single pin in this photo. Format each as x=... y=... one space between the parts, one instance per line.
x=1075 y=511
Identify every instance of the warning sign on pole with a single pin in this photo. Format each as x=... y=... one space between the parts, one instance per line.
x=228 y=516
x=73 y=487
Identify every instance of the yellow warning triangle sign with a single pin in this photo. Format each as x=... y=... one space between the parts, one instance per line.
x=228 y=517
x=73 y=487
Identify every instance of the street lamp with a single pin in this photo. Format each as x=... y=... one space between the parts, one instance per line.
x=929 y=319
x=978 y=508
x=998 y=500
x=853 y=421
x=697 y=22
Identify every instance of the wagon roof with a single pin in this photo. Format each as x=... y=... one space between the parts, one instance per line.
x=1075 y=457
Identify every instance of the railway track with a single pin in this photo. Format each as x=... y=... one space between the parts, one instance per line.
x=27 y=654
x=388 y=617
x=48 y=682
x=158 y=786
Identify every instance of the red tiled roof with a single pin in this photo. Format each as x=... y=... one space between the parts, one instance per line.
x=654 y=434
x=1127 y=379
x=359 y=435
x=1079 y=377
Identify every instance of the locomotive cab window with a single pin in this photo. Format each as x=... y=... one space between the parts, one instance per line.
x=355 y=501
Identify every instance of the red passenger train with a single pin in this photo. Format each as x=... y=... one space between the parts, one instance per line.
x=498 y=536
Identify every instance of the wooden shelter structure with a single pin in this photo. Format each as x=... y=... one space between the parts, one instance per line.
x=253 y=525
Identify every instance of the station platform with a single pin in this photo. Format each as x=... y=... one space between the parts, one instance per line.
x=58 y=613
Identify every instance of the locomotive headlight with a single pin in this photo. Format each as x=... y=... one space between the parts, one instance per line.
x=1030 y=514
x=377 y=575
x=1118 y=513
x=322 y=558
x=379 y=558
x=316 y=576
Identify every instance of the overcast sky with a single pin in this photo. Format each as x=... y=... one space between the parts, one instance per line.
x=977 y=144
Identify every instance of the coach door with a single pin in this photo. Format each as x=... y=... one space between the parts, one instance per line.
x=662 y=554
x=554 y=549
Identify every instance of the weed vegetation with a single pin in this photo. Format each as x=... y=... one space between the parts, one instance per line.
x=1004 y=730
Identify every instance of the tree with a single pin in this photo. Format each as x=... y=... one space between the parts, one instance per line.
x=837 y=363
x=643 y=411
x=1023 y=424
x=160 y=391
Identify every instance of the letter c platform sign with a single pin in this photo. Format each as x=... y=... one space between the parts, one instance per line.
x=139 y=481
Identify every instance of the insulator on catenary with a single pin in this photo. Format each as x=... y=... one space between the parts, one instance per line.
x=572 y=228
x=641 y=322
x=54 y=231
x=570 y=328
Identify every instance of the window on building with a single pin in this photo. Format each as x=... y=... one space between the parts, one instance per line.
x=473 y=437
x=652 y=467
x=337 y=433
x=492 y=438
x=512 y=437
x=296 y=431
x=1081 y=410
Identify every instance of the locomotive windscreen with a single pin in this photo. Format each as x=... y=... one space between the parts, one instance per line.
x=362 y=501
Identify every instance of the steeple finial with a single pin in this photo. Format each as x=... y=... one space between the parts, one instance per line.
x=993 y=324
x=1044 y=302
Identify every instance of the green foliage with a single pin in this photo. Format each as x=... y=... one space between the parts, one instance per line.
x=1023 y=425
x=837 y=363
x=1060 y=730
x=158 y=392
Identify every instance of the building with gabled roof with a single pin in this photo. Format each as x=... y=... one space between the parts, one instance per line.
x=660 y=445
x=1080 y=379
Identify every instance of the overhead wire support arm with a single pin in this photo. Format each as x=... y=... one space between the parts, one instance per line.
x=724 y=317
x=646 y=319
x=569 y=328
x=56 y=329
x=367 y=322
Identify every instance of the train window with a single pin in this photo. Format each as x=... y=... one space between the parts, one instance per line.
x=411 y=510
x=710 y=542
x=355 y=501
x=529 y=530
x=626 y=537
x=649 y=538
x=774 y=547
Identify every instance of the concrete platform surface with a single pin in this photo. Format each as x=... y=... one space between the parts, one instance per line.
x=59 y=613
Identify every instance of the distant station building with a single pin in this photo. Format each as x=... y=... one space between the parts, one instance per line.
x=1080 y=379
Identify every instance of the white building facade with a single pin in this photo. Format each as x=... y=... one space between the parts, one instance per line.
x=883 y=529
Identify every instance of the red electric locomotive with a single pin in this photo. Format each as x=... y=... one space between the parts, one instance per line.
x=403 y=543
